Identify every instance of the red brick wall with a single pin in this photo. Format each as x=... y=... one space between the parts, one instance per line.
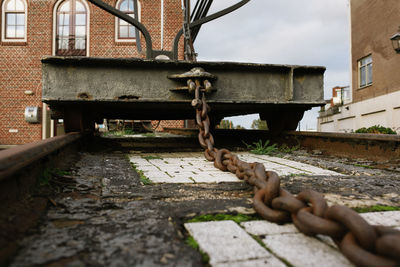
x=20 y=67
x=168 y=124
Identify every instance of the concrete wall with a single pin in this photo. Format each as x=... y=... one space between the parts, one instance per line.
x=20 y=66
x=373 y=22
x=383 y=110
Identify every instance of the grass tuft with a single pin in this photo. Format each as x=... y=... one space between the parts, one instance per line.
x=262 y=149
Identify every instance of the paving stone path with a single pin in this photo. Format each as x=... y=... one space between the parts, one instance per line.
x=230 y=244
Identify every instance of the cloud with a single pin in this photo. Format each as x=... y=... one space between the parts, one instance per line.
x=300 y=32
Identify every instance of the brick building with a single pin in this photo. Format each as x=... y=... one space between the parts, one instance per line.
x=375 y=71
x=32 y=29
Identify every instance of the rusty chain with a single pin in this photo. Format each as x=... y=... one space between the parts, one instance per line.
x=362 y=243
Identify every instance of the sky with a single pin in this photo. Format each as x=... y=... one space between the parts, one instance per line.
x=298 y=32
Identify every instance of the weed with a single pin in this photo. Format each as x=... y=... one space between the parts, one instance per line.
x=287 y=150
x=375 y=208
x=45 y=178
x=238 y=218
x=262 y=149
x=119 y=133
x=193 y=244
x=149 y=134
x=143 y=178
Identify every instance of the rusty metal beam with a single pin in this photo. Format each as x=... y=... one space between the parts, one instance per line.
x=146 y=89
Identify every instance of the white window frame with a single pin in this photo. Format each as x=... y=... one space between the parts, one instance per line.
x=55 y=8
x=3 y=23
x=360 y=65
x=125 y=40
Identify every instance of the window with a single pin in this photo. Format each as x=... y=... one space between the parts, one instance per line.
x=71 y=28
x=125 y=31
x=14 y=19
x=365 y=71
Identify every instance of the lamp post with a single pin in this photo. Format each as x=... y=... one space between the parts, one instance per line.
x=396 y=41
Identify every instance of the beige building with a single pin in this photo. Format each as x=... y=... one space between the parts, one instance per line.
x=373 y=97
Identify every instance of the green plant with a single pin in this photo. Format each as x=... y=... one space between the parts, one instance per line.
x=376 y=208
x=128 y=132
x=259 y=125
x=262 y=149
x=286 y=149
x=376 y=129
x=45 y=178
x=119 y=133
x=149 y=134
x=363 y=166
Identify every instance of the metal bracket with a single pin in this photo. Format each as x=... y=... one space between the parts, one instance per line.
x=150 y=53
x=191 y=77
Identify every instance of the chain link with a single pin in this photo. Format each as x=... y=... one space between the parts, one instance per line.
x=361 y=243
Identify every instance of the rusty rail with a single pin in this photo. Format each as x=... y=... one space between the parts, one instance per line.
x=374 y=147
x=14 y=159
x=369 y=146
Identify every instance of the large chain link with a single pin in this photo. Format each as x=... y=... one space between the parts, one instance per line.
x=362 y=243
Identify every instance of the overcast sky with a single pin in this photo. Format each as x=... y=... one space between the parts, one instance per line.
x=300 y=32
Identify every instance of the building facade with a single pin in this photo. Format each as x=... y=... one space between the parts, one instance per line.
x=375 y=71
x=32 y=29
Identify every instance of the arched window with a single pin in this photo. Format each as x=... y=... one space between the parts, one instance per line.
x=71 y=28
x=14 y=18
x=124 y=31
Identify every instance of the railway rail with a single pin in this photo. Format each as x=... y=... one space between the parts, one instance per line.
x=374 y=147
x=14 y=161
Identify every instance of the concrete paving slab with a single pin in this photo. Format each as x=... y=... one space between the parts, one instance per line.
x=301 y=250
x=268 y=262
x=207 y=178
x=268 y=228
x=387 y=218
x=226 y=242
x=193 y=165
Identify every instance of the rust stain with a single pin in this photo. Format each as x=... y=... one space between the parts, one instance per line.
x=84 y=96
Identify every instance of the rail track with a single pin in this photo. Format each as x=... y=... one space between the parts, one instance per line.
x=20 y=166
x=383 y=149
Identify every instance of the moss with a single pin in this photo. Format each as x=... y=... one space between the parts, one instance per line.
x=238 y=218
x=363 y=166
x=191 y=242
x=143 y=178
x=376 y=208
